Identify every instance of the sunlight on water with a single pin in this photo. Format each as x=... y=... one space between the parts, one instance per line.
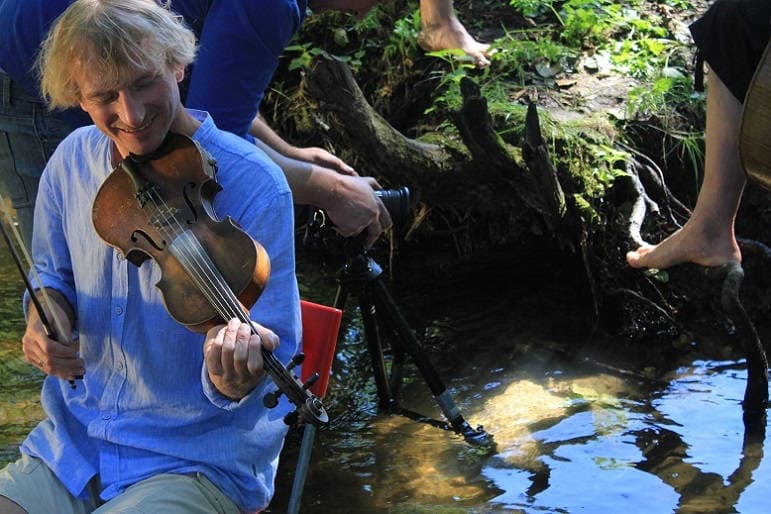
x=569 y=439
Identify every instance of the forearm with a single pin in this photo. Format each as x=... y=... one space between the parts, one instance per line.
x=58 y=299
x=262 y=132
x=349 y=200
x=310 y=184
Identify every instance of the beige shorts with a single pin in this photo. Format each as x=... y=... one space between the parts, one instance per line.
x=32 y=485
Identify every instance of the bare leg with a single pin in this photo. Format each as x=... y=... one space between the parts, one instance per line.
x=708 y=237
x=442 y=31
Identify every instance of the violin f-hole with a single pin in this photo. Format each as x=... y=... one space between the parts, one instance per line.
x=141 y=234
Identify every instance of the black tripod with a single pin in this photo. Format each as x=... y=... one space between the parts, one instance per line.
x=361 y=276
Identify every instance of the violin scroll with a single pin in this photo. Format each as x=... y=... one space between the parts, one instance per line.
x=312 y=411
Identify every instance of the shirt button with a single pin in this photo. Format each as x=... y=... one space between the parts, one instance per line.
x=106 y=417
x=119 y=310
x=120 y=365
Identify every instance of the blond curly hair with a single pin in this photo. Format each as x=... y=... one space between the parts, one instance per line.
x=119 y=36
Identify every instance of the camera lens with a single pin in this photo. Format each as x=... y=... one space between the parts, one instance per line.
x=397 y=202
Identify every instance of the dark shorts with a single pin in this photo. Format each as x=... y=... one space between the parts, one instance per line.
x=731 y=37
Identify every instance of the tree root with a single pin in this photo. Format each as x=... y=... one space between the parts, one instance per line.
x=756 y=393
x=331 y=85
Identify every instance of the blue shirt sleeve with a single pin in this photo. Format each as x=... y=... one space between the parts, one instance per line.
x=239 y=47
x=277 y=306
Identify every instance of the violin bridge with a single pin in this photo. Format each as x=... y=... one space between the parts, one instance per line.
x=164 y=216
x=146 y=194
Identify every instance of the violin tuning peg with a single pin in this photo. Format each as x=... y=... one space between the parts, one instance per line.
x=295 y=361
x=312 y=380
x=271 y=399
x=291 y=418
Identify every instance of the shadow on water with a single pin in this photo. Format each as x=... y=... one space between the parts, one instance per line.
x=596 y=428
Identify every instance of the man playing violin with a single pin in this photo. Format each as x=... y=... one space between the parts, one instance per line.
x=240 y=45
x=164 y=419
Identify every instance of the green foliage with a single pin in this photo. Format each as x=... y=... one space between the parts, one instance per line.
x=531 y=8
x=691 y=144
x=448 y=80
x=626 y=38
x=559 y=38
x=301 y=55
x=634 y=42
x=403 y=38
x=589 y=165
x=518 y=52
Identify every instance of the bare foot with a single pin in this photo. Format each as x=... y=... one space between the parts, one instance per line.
x=449 y=34
x=686 y=245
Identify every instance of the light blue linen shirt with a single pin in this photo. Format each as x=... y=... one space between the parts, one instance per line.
x=146 y=405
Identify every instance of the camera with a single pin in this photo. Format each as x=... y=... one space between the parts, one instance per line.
x=397 y=203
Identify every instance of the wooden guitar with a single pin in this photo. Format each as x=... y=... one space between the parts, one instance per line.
x=755 y=131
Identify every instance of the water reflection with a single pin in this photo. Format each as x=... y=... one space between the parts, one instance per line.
x=591 y=430
x=572 y=437
x=675 y=453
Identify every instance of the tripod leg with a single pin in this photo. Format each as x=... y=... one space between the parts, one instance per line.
x=375 y=347
x=411 y=345
x=341 y=296
x=303 y=461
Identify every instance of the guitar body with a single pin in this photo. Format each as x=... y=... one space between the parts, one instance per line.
x=755 y=131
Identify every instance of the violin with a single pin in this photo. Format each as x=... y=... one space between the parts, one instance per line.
x=160 y=207
x=755 y=129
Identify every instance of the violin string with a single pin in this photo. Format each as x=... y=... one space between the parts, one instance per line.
x=167 y=220
x=226 y=305
x=196 y=255
x=191 y=258
x=195 y=260
x=199 y=257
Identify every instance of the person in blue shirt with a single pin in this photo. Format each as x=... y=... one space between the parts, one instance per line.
x=731 y=37
x=239 y=46
x=164 y=419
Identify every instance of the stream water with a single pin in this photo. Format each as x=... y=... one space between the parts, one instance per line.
x=594 y=429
